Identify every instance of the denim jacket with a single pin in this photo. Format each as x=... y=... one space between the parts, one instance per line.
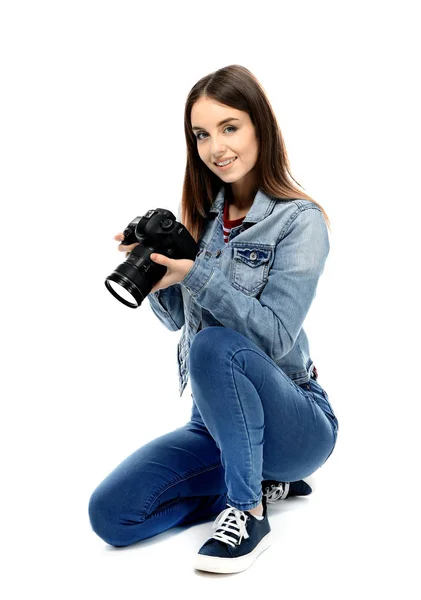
x=261 y=283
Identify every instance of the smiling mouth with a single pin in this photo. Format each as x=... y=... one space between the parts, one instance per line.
x=231 y=160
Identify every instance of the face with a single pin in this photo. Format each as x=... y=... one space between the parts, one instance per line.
x=235 y=138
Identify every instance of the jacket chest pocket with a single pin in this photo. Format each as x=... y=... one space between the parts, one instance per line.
x=250 y=268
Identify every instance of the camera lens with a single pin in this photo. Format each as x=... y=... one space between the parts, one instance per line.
x=115 y=285
x=133 y=280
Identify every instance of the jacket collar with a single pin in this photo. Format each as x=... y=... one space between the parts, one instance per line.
x=262 y=206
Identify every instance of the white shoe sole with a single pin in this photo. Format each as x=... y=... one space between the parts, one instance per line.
x=216 y=564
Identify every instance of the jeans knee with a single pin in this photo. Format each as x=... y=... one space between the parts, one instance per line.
x=104 y=520
x=202 y=341
x=208 y=348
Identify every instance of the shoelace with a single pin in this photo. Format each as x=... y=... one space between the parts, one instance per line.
x=231 y=520
x=277 y=492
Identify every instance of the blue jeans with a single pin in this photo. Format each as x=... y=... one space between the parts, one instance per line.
x=249 y=422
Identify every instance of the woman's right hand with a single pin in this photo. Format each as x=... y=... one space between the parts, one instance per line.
x=123 y=248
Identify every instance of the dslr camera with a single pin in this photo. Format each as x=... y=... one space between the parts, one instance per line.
x=157 y=231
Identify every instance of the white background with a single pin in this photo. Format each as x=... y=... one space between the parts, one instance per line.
x=92 y=99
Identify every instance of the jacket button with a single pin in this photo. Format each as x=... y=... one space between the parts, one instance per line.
x=253 y=255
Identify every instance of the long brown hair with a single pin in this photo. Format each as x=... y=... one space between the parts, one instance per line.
x=237 y=87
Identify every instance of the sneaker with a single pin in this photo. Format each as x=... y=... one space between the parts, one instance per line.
x=279 y=490
x=238 y=540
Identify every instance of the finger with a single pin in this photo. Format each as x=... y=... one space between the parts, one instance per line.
x=129 y=248
x=119 y=236
x=161 y=259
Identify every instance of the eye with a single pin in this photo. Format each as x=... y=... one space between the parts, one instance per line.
x=227 y=127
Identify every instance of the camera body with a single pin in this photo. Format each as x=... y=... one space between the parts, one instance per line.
x=157 y=231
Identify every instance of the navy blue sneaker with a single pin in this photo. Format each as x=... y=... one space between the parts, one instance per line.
x=238 y=540
x=280 y=490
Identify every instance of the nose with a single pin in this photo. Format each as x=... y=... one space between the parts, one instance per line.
x=218 y=149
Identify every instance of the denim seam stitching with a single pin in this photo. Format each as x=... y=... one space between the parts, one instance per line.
x=229 y=501
x=184 y=477
x=193 y=293
x=309 y=396
x=258 y=286
x=245 y=422
x=295 y=386
x=272 y=364
x=292 y=218
x=165 y=313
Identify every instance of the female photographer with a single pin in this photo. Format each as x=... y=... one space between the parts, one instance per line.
x=260 y=421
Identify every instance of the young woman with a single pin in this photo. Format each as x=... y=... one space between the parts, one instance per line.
x=260 y=420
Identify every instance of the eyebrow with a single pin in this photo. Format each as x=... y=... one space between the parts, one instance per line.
x=220 y=122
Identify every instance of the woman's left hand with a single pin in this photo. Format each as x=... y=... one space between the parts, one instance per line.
x=177 y=269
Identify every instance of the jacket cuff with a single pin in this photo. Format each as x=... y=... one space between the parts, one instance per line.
x=156 y=297
x=198 y=276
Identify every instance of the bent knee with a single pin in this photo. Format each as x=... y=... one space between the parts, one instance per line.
x=210 y=346
x=106 y=521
